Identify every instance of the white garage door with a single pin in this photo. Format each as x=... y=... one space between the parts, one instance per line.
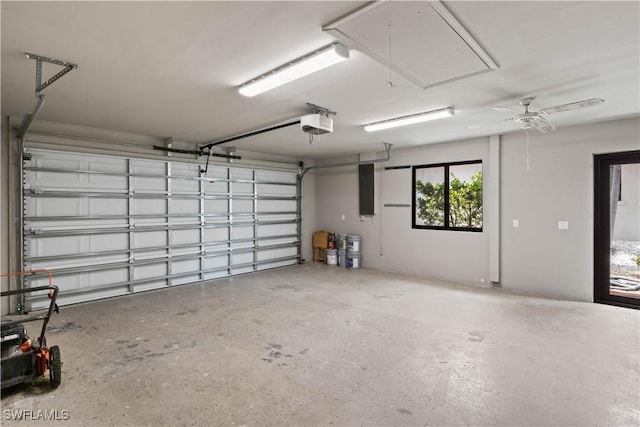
x=109 y=226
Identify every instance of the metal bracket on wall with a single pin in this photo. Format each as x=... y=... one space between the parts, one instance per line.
x=68 y=66
x=28 y=118
x=316 y=109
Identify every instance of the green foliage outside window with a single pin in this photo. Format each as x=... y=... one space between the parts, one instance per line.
x=464 y=207
x=430 y=199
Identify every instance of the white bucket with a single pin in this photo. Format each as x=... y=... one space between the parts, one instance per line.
x=353 y=243
x=332 y=257
x=341 y=241
x=353 y=260
x=342 y=258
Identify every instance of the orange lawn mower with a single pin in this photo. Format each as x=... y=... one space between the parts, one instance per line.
x=24 y=359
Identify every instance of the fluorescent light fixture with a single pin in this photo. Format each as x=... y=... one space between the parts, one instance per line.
x=301 y=67
x=411 y=119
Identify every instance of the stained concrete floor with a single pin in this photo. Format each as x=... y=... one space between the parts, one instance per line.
x=319 y=345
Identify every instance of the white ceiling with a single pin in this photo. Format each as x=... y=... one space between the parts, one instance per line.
x=171 y=69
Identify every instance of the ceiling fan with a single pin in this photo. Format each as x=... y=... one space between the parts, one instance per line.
x=529 y=119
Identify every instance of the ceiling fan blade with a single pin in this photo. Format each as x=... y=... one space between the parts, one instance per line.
x=544 y=126
x=489 y=124
x=572 y=106
x=507 y=110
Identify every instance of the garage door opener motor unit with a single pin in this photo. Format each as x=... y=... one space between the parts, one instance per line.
x=316 y=124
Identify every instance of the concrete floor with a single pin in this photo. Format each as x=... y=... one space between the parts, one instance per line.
x=319 y=345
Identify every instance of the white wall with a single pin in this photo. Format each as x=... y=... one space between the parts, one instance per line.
x=536 y=257
x=452 y=255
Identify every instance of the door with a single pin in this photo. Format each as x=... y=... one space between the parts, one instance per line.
x=108 y=225
x=617 y=228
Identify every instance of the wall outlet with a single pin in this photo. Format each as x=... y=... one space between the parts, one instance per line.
x=563 y=225
x=516 y=223
x=342 y=217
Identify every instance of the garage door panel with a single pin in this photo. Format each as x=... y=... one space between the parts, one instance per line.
x=89 y=225
x=96 y=294
x=155 y=206
x=216 y=234
x=216 y=186
x=268 y=254
x=54 y=246
x=276 y=230
x=79 y=262
x=276 y=190
x=108 y=225
x=107 y=207
x=186 y=251
x=242 y=233
x=185 y=207
x=276 y=205
x=216 y=262
x=150 y=271
x=107 y=242
x=150 y=184
x=149 y=239
x=216 y=206
x=215 y=275
x=102 y=164
x=185 y=187
x=241 y=174
x=276 y=176
x=243 y=188
x=149 y=286
x=243 y=206
x=101 y=183
x=179 y=237
x=185 y=170
x=147 y=255
x=276 y=264
x=143 y=223
x=104 y=278
x=55 y=207
x=242 y=263
x=181 y=270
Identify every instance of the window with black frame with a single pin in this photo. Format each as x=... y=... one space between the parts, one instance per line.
x=448 y=196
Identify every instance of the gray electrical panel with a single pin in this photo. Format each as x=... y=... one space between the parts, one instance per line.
x=366 y=186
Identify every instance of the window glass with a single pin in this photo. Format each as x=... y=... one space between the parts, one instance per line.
x=448 y=196
x=429 y=196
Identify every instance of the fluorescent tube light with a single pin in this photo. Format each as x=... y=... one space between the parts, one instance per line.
x=301 y=67
x=411 y=119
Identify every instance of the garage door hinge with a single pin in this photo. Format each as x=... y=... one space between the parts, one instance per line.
x=36 y=190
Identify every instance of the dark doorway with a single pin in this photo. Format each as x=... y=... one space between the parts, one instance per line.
x=617 y=228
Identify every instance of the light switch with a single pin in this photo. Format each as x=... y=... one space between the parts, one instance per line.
x=516 y=223
x=342 y=217
x=563 y=225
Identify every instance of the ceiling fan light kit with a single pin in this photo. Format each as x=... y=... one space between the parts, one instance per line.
x=410 y=119
x=315 y=61
x=529 y=119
